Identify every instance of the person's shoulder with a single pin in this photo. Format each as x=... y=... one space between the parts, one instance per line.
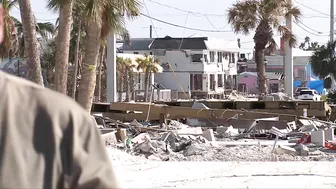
x=47 y=100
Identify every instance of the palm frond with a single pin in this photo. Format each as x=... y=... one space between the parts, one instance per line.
x=323 y=61
x=244 y=16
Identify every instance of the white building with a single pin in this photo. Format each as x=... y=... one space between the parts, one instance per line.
x=190 y=64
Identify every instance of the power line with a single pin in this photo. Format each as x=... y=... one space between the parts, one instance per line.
x=319 y=32
x=198 y=14
x=312 y=8
x=150 y=19
x=214 y=25
x=188 y=28
x=308 y=30
x=185 y=24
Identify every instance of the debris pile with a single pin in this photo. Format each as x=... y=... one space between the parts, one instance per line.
x=307 y=140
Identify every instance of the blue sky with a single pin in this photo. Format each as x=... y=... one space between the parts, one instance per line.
x=315 y=19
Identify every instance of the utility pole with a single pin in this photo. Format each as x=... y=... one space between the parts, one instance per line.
x=150 y=31
x=332 y=18
x=332 y=21
x=289 y=60
x=111 y=80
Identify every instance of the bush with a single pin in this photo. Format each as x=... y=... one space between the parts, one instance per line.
x=327 y=83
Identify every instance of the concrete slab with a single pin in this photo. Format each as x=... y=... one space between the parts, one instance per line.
x=254 y=143
x=329 y=134
x=209 y=135
x=190 y=131
x=318 y=137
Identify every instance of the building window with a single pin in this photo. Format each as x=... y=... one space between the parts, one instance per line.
x=212 y=56
x=220 y=80
x=220 y=56
x=212 y=82
x=225 y=55
x=196 y=57
x=206 y=58
x=150 y=53
x=196 y=82
x=135 y=52
x=232 y=60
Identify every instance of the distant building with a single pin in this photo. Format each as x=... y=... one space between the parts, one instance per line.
x=190 y=64
x=275 y=66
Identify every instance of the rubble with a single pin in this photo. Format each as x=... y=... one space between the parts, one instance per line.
x=302 y=140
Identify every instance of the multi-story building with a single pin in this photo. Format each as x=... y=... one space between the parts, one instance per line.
x=190 y=64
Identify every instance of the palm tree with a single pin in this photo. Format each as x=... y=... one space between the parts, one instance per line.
x=121 y=72
x=63 y=42
x=263 y=16
x=46 y=30
x=31 y=43
x=48 y=62
x=323 y=62
x=9 y=45
x=102 y=61
x=103 y=17
x=148 y=64
x=125 y=73
x=129 y=71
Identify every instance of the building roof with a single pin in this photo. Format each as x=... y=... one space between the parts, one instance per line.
x=169 y=43
x=137 y=44
x=189 y=43
x=222 y=45
x=269 y=75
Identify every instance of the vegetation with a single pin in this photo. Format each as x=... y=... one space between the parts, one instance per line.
x=323 y=63
x=264 y=17
x=307 y=45
x=148 y=65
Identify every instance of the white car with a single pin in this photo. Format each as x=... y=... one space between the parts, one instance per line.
x=309 y=95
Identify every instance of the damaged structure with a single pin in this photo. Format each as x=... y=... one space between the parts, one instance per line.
x=179 y=131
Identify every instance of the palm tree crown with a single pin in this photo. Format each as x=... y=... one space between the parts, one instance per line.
x=263 y=17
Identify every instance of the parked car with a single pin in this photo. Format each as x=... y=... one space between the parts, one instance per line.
x=309 y=95
x=298 y=90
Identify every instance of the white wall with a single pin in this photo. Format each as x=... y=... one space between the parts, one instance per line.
x=174 y=82
x=181 y=61
x=278 y=60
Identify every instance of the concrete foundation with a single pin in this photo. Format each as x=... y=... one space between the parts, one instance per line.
x=318 y=138
x=329 y=134
x=209 y=135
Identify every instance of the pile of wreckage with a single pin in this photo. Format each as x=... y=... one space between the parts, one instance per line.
x=303 y=140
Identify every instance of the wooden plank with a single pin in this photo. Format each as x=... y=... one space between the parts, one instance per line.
x=243 y=105
x=272 y=105
x=310 y=112
x=245 y=123
x=141 y=107
x=187 y=112
x=316 y=105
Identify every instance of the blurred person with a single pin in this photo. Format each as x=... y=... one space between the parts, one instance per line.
x=47 y=140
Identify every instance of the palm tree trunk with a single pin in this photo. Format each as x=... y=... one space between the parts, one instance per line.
x=88 y=78
x=100 y=74
x=150 y=85
x=127 y=85
x=121 y=83
x=261 y=69
x=131 y=75
x=146 y=86
x=31 y=43
x=62 y=47
x=74 y=84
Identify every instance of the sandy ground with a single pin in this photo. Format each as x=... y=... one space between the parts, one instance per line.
x=138 y=172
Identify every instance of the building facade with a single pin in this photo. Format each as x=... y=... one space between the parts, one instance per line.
x=190 y=64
